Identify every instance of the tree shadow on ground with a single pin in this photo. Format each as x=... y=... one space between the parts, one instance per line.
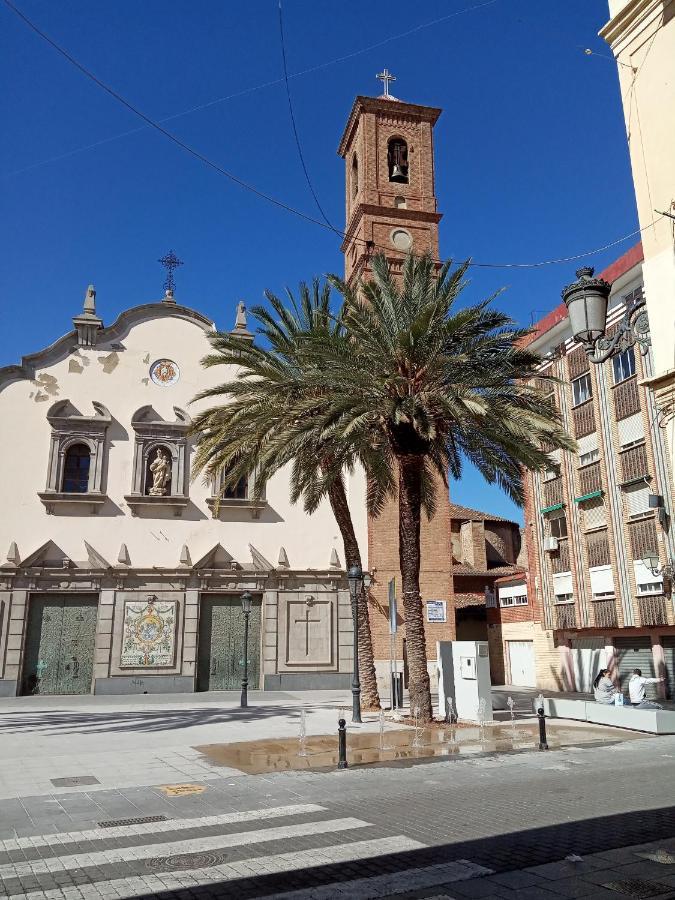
x=502 y=853
x=64 y=721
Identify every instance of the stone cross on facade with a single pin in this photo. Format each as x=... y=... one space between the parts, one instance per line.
x=385 y=77
x=306 y=621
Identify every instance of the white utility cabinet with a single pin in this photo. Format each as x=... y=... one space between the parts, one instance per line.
x=464 y=677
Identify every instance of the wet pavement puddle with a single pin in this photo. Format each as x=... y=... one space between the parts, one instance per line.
x=397 y=746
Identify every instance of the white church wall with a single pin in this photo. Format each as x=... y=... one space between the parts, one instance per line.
x=120 y=380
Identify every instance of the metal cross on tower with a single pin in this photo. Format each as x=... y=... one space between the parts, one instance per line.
x=385 y=77
x=170 y=262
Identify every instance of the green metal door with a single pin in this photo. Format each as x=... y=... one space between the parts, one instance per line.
x=221 y=645
x=60 y=640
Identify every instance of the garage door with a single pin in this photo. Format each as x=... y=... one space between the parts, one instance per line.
x=521 y=659
x=588 y=657
x=635 y=653
x=669 y=658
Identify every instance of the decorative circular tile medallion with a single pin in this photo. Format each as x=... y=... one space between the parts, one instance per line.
x=164 y=372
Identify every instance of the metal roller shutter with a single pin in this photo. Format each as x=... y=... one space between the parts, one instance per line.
x=630 y=429
x=588 y=657
x=635 y=653
x=668 y=644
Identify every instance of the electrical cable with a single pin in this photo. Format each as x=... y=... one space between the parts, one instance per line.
x=268 y=197
x=256 y=87
x=153 y=124
x=295 y=127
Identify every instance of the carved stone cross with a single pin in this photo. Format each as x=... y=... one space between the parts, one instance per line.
x=306 y=621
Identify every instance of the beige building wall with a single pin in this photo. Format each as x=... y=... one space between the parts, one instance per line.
x=641 y=34
x=117 y=545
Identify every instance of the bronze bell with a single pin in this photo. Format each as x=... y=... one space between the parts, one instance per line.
x=397 y=174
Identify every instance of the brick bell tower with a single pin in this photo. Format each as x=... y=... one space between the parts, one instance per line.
x=388 y=150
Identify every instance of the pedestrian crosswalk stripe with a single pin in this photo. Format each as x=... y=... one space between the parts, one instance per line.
x=103 y=834
x=391 y=883
x=193 y=845
x=249 y=868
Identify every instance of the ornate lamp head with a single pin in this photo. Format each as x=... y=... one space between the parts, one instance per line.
x=586 y=301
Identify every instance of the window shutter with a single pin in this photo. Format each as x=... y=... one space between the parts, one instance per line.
x=637 y=498
x=630 y=429
x=588 y=443
x=562 y=584
x=595 y=513
x=602 y=580
x=513 y=590
x=644 y=575
x=555 y=456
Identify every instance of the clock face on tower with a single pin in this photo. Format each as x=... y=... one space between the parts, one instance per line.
x=401 y=239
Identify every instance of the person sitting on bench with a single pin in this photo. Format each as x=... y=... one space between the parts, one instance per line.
x=604 y=690
x=637 y=692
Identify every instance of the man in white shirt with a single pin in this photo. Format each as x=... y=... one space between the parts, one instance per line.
x=637 y=692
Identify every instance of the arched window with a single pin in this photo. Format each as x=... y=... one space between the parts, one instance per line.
x=158 y=473
x=397 y=160
x=355 y=176
x=400 y=203
x=76 y=469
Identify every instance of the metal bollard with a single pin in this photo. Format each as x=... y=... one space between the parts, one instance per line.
x=342 y=744
x=543 y=744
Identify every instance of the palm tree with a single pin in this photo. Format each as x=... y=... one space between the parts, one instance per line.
x=268 y=420
x=429 y=384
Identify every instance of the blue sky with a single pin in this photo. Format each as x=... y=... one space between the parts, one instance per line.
x=531 y=155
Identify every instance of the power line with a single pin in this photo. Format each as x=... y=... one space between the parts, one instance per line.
x=253 y=88
x=295 y=127
x=153 y=124
x=268 y=197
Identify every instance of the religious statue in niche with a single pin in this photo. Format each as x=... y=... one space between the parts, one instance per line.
x=149 y=633
x=160 y=469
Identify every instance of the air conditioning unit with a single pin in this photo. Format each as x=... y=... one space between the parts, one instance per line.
x=655 y=501
x=551 y=544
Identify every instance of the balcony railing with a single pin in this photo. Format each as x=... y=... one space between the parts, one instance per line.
x=634 y=463
x=604 y=614
x=560 y=560
x=584 y=419
x=642 y=536
x=597 y=546
x=565 y=615
x=626 y=398
x=590 y=479
x=553 y=492
x=653 y=610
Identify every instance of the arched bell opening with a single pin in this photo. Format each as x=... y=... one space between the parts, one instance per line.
x=397 y=160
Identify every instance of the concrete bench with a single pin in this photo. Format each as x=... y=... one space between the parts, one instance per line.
x=652 y=721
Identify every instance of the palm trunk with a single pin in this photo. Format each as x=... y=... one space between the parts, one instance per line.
x=409 y=507
x=370 y=699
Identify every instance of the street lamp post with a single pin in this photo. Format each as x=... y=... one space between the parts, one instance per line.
x=246 y=599
x=586 y=300
x=357 y=582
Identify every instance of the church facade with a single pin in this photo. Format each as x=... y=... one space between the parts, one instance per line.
x=123 y=575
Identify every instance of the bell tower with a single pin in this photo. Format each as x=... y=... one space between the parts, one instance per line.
x=388 y=151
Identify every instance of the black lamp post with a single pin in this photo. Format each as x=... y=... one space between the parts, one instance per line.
x=246 y=599
x=357 y=581
x=586 y=301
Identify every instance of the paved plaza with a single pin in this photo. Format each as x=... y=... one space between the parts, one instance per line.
x=136 y=811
